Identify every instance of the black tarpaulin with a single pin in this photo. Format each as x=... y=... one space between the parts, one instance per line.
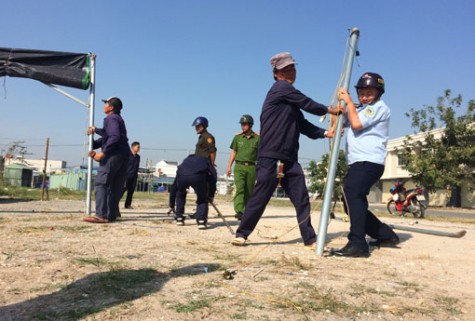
x=52 y=67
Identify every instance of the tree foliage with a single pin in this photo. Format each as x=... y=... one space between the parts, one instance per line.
x=446 y=160
x=319 y=171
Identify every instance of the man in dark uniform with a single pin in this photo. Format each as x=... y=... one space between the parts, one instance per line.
x=195 y=171
x=132 y=173
x=282 y=121
x=244 y=153
x=204 y=147
x=113 y=160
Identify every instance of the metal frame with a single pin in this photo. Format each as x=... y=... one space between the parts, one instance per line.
x=90 y=105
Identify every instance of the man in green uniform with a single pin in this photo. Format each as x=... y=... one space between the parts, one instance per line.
x=244 y=153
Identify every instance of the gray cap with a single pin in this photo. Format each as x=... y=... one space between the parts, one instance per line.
x=282 y=60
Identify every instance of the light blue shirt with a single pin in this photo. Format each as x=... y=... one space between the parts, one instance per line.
x=369 y=143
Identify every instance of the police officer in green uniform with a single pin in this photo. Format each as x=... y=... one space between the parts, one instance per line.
x=244 y=153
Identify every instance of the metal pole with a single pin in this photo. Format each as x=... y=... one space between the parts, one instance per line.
x=328 y=193
x=92 y=91
x=43 y=185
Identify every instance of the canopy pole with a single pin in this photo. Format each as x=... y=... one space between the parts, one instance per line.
x=328 y=193
x=92 y=92
x=66 y=94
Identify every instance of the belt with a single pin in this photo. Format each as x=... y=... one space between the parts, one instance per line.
x=246 y=163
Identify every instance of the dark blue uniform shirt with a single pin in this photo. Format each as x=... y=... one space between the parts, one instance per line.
x=282 y=121
x=114 y=136
x=134 y=163
x=195 y=165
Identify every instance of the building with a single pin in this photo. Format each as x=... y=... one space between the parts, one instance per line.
x=38 y=164
x=394 y=170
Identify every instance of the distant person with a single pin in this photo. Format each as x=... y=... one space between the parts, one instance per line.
x=282 y=121
x=244 y=154
x=132 y=173
x=365 y=151
x=113 y=161
x=196 y=172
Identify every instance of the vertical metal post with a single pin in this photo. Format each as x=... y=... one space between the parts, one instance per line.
x=92 y=91
x=328 y=193
x=43 y=184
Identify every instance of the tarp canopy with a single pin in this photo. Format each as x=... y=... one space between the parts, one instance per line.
x=51 y=67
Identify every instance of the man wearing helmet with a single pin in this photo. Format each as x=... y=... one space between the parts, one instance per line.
x=282 y=122
x=244 y=153
x=365 y=152
x=206 y=145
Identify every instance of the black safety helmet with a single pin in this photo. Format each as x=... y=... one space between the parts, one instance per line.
x=246 y=119
x=200 y=121
x=371 y=79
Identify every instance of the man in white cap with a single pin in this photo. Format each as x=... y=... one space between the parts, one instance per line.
x=282 y=121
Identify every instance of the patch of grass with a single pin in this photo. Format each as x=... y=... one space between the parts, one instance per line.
x=239 y=316
x=49 y=287
x=192 y=306
x=293 y=261
x=359 y=289
x=448 y=303
x=83 y=261
x=408 y=286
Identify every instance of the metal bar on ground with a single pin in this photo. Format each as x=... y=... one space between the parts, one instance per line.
x=328 y=193
x=222 y=217
x=457 y=234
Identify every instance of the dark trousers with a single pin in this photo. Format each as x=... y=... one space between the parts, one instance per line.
x=361 y=176
x=172 y=195
x=199 y=183
x=130 y=184
x=173 y=190
x=293 y=184
x=109 y=185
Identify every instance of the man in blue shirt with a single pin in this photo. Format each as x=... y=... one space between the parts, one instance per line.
x=282 y=122
x=113 y=160
x=366 y=152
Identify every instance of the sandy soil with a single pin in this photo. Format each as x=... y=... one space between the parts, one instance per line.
x=55 y=267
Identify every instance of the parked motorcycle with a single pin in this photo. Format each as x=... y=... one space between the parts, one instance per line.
x=405 y=201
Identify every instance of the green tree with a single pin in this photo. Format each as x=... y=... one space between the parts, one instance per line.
x=319 y=171
x=445 y=158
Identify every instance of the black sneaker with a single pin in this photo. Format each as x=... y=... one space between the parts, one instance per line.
x=202 y=225
x=180 y=221
x=192 y=215
x=238 y=216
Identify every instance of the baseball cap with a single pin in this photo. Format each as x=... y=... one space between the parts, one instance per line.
x=282 y=60
x=114 y=102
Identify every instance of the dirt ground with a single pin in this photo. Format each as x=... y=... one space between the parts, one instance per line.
x=144 y=267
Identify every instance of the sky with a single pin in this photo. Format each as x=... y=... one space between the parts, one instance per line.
x=172 y=61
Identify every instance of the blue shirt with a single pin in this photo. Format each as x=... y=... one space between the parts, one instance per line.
x=114 y=136
x=369 y=143
x=282 y=121
x=134 y=164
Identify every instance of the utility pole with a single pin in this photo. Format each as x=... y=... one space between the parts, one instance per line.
x=43 y=185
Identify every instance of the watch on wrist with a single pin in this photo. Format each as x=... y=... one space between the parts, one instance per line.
x=325 y=133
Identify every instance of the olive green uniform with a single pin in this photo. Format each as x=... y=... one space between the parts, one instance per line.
x=206 y=145
x=244 y=168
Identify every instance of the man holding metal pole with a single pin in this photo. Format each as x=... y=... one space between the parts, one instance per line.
x=366 y=151
x=282 y=121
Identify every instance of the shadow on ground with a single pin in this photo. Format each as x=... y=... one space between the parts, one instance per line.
x=95 y=293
